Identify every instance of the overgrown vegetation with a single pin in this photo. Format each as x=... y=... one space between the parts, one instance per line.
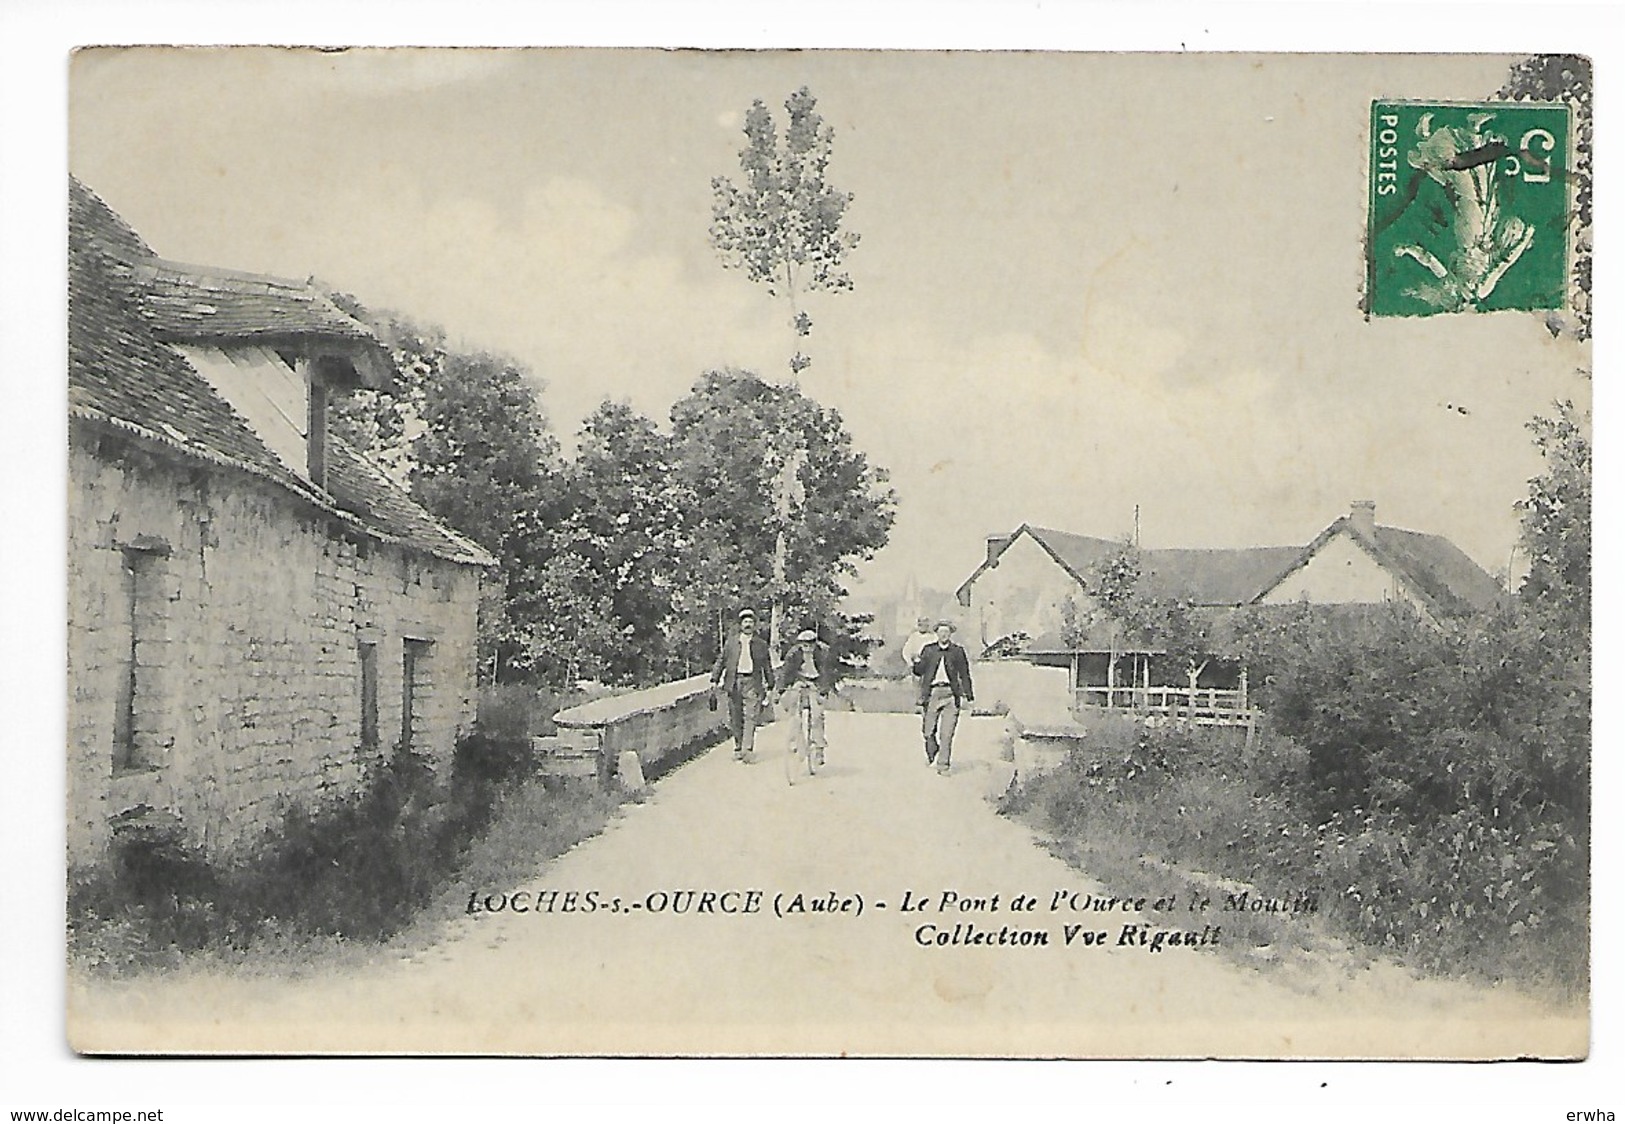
x=358 y=870
x=1428 y=782
x=1451 y=887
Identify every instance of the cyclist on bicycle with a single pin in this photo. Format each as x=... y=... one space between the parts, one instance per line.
x=807 y=677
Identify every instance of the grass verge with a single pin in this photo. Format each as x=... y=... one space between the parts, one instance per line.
x=341 y=883
x=1194 y=812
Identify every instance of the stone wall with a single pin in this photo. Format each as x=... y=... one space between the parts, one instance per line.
x=250 y=612
x=655 y=723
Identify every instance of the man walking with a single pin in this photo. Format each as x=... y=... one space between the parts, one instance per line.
x=806 y=678
x=743 y=674
x=943 y=670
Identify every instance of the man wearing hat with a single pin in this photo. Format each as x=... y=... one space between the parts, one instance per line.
x=943 y=670
x=808 y=671
x=743 y=673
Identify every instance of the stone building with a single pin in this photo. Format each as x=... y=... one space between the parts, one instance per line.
x=1019 y=590
x=1018 y=600
x=256 y=615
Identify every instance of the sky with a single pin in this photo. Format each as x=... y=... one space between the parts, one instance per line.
x=1085 y=284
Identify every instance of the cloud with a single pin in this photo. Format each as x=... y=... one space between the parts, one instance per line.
x=1126 y=342
x=564 y=280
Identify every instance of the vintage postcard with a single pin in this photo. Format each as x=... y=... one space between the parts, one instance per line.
x=830 y=553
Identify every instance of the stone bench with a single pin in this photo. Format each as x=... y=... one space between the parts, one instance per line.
x=1038 y=747
x=661 y=725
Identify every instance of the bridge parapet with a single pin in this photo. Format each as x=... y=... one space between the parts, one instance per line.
x=662 y=725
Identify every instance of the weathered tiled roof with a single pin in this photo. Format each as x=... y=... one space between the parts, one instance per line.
x=360 y=489
x=1214 y=577
x=120 y=373
x=1444 y=578
x=1441 y=570
x=1202 y=577
x=195 y=303
x=123 y=376
x=1076 y=552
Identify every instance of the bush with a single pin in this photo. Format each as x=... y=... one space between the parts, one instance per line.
x=1464 y=890
x=360 y=868
x=517 y=711
x=1400 y=717
x=500 y=749
x=151 y=903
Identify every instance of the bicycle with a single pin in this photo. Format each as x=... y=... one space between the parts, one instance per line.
x=800 y=754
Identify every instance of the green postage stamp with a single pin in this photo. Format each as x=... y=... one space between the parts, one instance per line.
x=1469 y=207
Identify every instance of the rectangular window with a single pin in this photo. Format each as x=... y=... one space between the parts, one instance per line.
x=135 y=734
x=369 y=694
x=414 y=669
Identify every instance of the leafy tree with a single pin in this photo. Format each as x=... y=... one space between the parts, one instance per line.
x=1484 y=721
x=486 y=457
x=465 y=434
x=723 y=432
x=1556 y=523
x=383 y=424
x=557 y=621
x=853 y=641
x=627 y=523
x=782 y=226
x=1117 y=599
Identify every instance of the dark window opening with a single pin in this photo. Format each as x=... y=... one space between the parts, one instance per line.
x=135 y=734
x=414 y=672
x=369 y=695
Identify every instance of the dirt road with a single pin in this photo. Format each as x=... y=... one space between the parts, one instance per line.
x=634 y=963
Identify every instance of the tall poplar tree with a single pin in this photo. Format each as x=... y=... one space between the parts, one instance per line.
x=781 y=224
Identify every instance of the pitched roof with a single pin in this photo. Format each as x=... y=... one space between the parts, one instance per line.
x=1442 y=576
x=1202 y=577
x=123 y=376
x=1214 y=577
x=361 y=489
x=192 y=302
x=1441 y=570
x=119 y=372
x=1074 y=553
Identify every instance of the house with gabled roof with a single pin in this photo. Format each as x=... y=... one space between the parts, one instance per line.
x=257 y=616
x=1354 y=561
x=1031 y=596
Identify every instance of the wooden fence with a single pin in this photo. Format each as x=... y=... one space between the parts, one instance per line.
x=1216 y=706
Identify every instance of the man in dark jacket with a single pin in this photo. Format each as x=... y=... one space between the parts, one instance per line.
x=808 y=674
x=743 y=674
x=943 y=670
